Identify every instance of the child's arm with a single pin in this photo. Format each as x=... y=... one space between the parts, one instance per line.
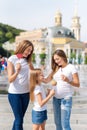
x=43 y=101
x=52 y=84
x=48 y=78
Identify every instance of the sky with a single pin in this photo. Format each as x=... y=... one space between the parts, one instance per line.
x=35 y=14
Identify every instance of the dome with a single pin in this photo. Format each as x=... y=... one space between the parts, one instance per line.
x=58 y=31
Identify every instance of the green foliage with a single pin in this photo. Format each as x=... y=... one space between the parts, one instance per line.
x=8 y=33
x=73 y=55
x=85 y=59
x=42 y=56
x=1 y=34
x=0 y=45
x=3 y=92
x=79 y=59
x=4 y=52
x=11 y=40
x=33 y=57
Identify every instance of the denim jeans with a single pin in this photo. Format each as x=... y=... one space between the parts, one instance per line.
x=19 y=104
x=62 y=111
x=38 y=117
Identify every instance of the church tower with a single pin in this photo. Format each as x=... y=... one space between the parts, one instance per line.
x=75 y=27
x=58 y=19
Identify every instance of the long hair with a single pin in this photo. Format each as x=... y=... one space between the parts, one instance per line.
x=33 y=81
x=60 y=53
x=22 y=46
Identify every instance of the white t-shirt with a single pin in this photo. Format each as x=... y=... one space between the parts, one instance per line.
x=21 y=83
x=39 y=89
x=64 y=89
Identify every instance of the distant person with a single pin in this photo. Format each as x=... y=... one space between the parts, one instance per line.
x=38 y=96
x=18 y=69
x=64 y=77
x=4 y=65
x=0 y=63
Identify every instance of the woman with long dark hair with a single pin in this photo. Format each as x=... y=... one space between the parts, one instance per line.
x=65 y=76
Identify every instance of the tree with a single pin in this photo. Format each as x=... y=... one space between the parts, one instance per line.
x=42 y=56
x=72 y=56
x=9 y=35
x=4 y=52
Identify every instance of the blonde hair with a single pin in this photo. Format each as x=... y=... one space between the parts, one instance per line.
x=22 y=46
x=33 y=81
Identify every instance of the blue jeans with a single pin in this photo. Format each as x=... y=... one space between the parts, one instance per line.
x=62 y=111
x=19 y=104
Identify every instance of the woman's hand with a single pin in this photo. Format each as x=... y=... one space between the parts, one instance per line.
x=18 y=67
x=74 y=82
x=52 y=92
x=12 y=75
x=64 y=78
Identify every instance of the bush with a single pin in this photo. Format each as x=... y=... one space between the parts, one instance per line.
x=3 y=92
x=85 y=59
x=4 y=52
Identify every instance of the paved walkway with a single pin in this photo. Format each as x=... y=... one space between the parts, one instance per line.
x=78 y=117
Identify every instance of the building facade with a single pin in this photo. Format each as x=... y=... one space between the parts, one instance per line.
x=56 y=37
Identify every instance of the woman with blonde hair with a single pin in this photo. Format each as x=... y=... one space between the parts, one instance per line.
x=18 y=68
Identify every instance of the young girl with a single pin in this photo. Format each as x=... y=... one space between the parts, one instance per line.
x=38 y=95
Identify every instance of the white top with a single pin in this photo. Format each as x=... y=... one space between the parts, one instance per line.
x=21 y=83
x=39 y=89
x=64 y=89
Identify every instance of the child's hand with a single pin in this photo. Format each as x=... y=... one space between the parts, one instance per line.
x=53 y=82
x=52 y=92
x=43 y=79
x=18 y=67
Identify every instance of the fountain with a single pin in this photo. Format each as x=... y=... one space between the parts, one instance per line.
x=48 y=58
x=37 y=57
x=38 y=60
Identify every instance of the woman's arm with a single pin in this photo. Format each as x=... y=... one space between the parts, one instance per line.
x=44 y=101
x=10 y=70
x=75 y=81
